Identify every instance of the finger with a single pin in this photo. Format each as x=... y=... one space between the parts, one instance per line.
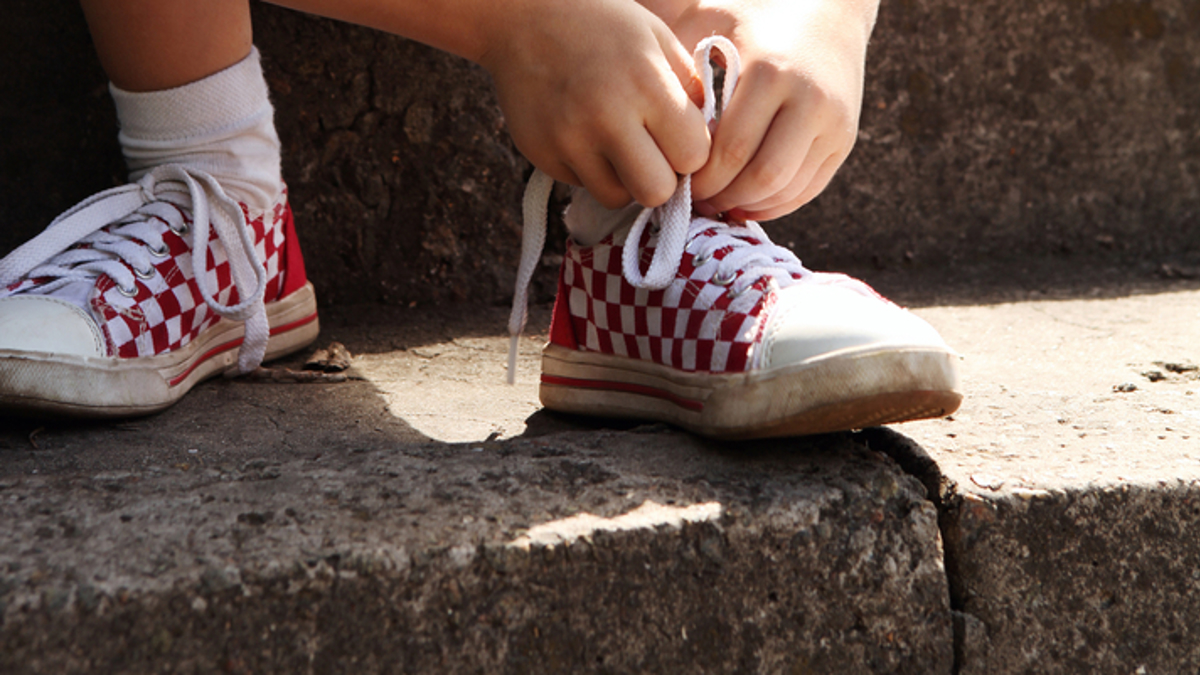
x=674 y=119
x=559 y=172
x=681 y=63
x=770 y=211
x=601 y=180
x=744 y=125
x=643 y=169
x=678 y=129
x=787 y=154
x=820 y=153
x=821 y=180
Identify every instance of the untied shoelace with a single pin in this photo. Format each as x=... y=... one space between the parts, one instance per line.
x=751 y=252
x=115 y=228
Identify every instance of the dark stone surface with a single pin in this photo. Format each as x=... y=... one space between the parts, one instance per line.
x=1063 y=128
x=824 y=557
x=992 y=132
x=1095 y=581
x=406 y=186
x=1061 y=131
x=60 y=141
x=1091 y=579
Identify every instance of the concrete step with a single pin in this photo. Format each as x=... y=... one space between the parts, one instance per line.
x=424 y=516
x=603 y=551
x=1068 y=483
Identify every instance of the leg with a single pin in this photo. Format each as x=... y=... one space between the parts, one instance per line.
x=148 y=45
x=131 y=279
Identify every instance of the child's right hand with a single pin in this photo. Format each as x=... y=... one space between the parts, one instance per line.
x=794 y=117
x=600 y=93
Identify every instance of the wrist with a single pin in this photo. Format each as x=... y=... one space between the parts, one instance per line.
x=669 y=11
x=693 y=20
x=466 y=28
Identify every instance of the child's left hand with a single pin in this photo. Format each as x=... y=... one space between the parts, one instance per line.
x=794 y=117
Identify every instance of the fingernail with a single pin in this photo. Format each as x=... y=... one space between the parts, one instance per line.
x=705 y=209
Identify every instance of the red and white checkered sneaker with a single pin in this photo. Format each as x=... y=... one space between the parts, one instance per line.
x=138 y=293
x=708 y=325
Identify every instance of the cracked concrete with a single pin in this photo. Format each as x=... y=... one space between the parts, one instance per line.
x=421 y=516
x=1076 y=466
x=368 y=526
x=343 y=540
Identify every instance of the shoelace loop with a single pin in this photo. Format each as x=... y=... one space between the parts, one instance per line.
x=749 y=256
x=113 y=231
x=737 y=255
x=674 y=219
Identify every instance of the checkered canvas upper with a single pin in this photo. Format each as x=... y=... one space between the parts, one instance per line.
x=167 y=311
x=695 y=294
x=705 y=320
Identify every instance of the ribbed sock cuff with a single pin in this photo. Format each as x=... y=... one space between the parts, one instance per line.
x=222 y=124
x=215 y=105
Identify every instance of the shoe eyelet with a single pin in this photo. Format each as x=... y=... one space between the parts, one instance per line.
x=721 y=279
x=144 y=275
x=129 y=293
x=182 y=230
x=700 y=260
x=160 y=252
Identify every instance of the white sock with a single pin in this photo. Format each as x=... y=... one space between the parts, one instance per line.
x=223 y=124
x=588 y=221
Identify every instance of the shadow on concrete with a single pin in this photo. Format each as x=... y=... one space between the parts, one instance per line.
x=221 y=423
x=1033 y=278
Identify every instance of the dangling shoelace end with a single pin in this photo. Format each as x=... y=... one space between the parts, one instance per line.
x=674 y=216
x=513 y=343
x=533 y=240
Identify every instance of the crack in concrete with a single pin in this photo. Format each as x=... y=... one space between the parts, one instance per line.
x=943 y=493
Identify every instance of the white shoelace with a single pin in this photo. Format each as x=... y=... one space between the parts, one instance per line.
x=751 y=251
x=125 y=226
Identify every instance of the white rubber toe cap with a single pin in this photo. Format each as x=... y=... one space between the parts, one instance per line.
x=35 y=323
x=812 y=320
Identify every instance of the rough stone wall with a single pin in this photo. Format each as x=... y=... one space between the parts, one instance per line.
x=991 y=130
x=1098 y=581
x=406 y=185
x=58 y=142
x=998 y=129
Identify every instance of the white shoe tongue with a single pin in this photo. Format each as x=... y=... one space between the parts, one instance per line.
x=78 y=293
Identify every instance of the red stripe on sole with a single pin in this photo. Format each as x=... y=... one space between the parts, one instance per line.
x=687 y=403
x=222 y=348
x=295 y=324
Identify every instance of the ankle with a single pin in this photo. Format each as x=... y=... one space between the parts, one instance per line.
x=222 y=125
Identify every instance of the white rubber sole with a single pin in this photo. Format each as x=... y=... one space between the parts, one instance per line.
x=849 y=389
x=89 y=387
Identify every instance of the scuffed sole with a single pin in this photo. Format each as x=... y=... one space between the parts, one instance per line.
x=68 y=386
x=850 y=389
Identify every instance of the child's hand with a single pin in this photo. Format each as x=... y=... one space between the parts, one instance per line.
x=794 y=116
x=593 y=94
